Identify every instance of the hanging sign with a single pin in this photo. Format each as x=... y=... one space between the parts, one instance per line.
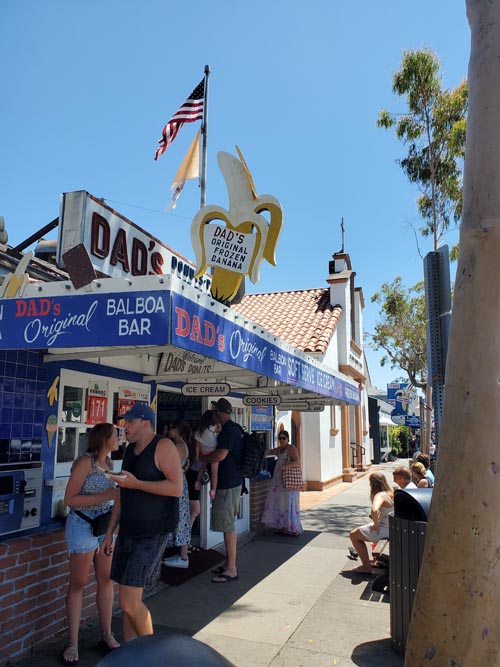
x=262 y=400
x=300 y=406
x=205 y=389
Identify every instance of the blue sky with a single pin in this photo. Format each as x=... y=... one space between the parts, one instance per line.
x=87 y=86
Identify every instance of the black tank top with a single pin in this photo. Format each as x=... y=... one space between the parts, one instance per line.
x=146 y=514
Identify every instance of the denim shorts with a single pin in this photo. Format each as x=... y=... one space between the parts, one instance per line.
x=79 y=536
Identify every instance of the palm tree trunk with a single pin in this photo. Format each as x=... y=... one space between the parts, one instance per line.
x=456 y=616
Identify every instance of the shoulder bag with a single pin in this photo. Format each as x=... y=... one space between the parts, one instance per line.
x=292 y=477
x=98 y=524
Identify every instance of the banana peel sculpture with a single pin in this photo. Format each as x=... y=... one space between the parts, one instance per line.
x=236 y=249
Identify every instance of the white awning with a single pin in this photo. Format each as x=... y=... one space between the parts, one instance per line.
x=385 y=420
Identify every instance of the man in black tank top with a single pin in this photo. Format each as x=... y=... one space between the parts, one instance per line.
x=148 y=510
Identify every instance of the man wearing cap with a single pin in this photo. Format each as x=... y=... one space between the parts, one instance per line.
x=148 y=510
x=227 y=498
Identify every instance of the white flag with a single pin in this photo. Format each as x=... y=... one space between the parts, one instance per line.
x=190 y=168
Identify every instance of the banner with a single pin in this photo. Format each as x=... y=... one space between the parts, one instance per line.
x=85 y=320
x=201 y=330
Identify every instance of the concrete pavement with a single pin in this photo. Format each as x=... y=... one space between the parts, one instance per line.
x=295 y=603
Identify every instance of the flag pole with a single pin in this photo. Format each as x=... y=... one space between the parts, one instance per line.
x=203 y=156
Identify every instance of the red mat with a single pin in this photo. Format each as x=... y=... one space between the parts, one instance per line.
x=199 y=561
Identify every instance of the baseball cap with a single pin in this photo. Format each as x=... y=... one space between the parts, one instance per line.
x=222 y=405
x=140 y=411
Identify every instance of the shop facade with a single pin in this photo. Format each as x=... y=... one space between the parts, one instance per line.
x=74 y=356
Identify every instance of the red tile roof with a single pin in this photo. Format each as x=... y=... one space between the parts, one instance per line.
x=303 y=318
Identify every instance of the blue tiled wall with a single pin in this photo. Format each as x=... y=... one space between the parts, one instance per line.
x=22 y=395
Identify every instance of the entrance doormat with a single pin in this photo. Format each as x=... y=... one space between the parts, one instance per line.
x=199 y=561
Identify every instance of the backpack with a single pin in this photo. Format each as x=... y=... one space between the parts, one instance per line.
x=252 y=455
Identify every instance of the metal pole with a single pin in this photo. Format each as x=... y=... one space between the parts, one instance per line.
x=203 y=157
x=37 y=235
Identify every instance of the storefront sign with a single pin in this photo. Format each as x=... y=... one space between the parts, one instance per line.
x=85 y=320
x=118 y=247
x=204 y=331
x=400 y=395
x=261 y=418
x=206 y=389
x=261 y=400
x=237 y=247
x=182 y=361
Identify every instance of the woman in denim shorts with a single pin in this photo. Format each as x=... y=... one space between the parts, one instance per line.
x=89 y=492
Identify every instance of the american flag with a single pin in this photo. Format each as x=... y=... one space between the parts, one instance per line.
x=191 y=110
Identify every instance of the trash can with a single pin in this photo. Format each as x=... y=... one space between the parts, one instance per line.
x=407 y=529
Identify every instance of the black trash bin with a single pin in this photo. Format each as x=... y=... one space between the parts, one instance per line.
x=407 y=529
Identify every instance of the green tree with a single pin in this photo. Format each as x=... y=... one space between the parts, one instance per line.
x=434 y=128
x=401 y=331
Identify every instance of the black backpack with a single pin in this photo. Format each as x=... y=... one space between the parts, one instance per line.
x=252 y=455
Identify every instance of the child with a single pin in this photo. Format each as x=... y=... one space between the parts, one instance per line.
x=206 y=436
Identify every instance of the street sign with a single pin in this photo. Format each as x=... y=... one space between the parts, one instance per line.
x=262 y=400
x=205 y=389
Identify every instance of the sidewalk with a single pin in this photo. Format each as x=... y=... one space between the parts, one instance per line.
x=295 y=603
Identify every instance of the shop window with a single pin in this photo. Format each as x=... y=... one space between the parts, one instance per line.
x=72 y=405
x=71 y=443
x=86 y=400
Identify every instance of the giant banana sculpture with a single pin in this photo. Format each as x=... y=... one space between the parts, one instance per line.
x=237 y=248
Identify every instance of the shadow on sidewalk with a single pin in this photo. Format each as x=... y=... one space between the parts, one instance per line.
x=376 y=653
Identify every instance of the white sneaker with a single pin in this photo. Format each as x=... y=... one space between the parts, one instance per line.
x=176 y=561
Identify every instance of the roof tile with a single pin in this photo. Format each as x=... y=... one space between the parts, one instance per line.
x=302 y=318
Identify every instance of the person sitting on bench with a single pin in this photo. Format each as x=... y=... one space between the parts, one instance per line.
x=382 y=499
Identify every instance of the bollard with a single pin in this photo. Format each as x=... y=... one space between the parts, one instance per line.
x=174 y=650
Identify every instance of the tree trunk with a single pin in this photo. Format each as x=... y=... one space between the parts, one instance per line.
x=456 y=617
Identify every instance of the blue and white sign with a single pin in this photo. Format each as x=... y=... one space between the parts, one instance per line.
x=201 y=330
x=261 y=418
x=400 y=395
x=85 y=320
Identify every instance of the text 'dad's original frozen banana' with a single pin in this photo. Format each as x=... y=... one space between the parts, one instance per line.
x=237 y=247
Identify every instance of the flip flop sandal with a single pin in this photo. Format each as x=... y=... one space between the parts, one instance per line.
x=194 y=550
x=223 y=579
x=108 y=643
x=218 y=570
x=70 y=654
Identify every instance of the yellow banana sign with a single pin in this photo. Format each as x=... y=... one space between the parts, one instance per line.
x=236 y=248
x=14 y=283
